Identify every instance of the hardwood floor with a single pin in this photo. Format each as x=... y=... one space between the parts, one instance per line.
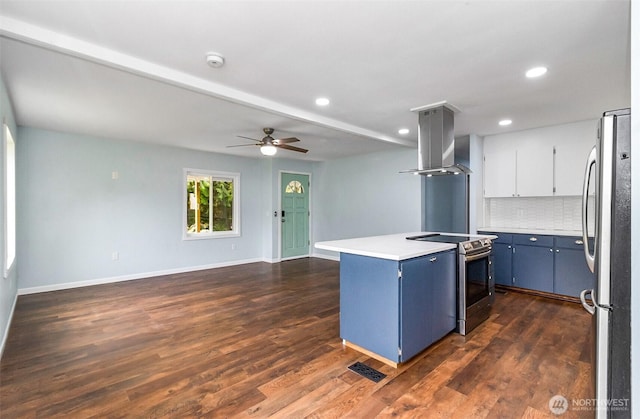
x=263 y=340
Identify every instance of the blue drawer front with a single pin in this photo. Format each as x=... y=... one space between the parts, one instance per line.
x=572 y=242
x=505 y=238
x=533 y=240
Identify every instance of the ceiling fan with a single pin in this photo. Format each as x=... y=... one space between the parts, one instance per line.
x=269 y=145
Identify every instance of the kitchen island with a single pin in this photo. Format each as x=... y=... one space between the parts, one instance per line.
x=397 y=296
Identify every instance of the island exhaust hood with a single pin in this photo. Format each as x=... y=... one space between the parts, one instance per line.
x=436 y=144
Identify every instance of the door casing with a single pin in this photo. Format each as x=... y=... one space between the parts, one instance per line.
x=309 y=194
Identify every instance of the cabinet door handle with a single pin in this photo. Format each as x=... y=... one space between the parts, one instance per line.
x=579 y=242
x=533 y=239
x=509 y=247
x=557 y=250
x=433 y=259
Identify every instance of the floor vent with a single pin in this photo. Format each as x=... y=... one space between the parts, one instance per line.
x=367 y=372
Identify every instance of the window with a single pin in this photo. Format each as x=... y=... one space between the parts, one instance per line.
x=9 y=200
x=294 y=187
x=211 y=204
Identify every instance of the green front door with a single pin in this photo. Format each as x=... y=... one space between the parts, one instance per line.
x=294 y=190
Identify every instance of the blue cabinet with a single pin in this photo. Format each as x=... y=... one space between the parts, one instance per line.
x=533 y=262
x=396 y=309
x=502 y=255
x=369 y=299
x=416 y=329
x=572 y=275
x=444 y=295
x=553 y=264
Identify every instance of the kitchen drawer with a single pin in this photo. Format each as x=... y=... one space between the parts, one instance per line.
x=572 y=242
x=502 y=237
x=533 y=240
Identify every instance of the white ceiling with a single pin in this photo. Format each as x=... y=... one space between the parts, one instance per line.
x=136 y=69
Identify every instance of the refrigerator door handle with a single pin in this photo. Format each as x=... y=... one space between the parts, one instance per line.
x=591 y=309
x=589 y=256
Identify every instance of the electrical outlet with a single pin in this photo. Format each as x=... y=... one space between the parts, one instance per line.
x=233 y=246
x=115 y=175
x=115 y=256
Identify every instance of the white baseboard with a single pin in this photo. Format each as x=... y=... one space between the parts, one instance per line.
x=5 y=336
x=325 y=256
x=109 y=280
x=295 y=257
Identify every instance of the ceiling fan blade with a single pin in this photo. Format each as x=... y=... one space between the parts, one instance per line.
x=292 y=148
x=242 y=145
x=285 y=140
x=248 y=138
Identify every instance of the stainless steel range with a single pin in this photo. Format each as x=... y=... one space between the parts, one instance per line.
x=476 y=288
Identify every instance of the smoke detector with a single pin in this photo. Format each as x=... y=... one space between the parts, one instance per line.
x=215 y=60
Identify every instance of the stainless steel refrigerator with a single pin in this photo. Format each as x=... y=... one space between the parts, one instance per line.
x=609 y=170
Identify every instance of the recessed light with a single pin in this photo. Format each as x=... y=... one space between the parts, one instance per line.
x=536 y=72
x=403 y=131
x=505 y=122
x=322 y=101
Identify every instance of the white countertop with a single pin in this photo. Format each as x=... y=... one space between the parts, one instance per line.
x=391 y=246
x=572 y=233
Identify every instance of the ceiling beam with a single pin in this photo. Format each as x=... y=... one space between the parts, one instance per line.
x=54 y=41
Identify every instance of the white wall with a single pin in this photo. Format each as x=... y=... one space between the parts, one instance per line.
x=9 y=285
x=72 y=215
x=365 y=196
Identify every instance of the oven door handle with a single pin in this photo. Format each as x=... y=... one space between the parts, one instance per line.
x=471 y=258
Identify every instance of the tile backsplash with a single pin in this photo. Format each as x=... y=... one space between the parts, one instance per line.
x=546 y=213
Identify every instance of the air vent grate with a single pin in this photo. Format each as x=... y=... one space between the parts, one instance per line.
x=367 y=372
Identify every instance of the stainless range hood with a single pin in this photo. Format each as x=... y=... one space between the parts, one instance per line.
x=436 y=145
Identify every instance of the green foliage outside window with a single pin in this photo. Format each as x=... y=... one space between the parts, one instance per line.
x=211 y=204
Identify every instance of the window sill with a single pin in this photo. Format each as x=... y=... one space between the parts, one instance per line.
x=7 y=272
x=206 y=236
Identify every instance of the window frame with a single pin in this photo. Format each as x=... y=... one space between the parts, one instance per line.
x=9 y=206
x=214 y=175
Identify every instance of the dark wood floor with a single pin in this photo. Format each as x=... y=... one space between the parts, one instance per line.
x=263 y=340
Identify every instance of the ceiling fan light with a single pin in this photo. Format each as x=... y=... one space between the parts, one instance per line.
x=268 y=149
x=536 y=72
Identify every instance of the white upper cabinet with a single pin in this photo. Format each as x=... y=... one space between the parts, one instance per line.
x=539 y=162
x=534 y=167
x=517 y=165
x=499 y=168
x=573 y=142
